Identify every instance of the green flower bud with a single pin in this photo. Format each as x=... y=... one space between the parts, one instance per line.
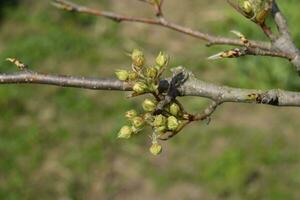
x=161 y=129
x=262 y=14
x=131 y=114
x=132 y=76
x=256 y=10
x=247 y=7
x=125 y=132
x=153 y=88
x=162 y=59
x=138 y=122
x=155 y=149
x=173 y=123
x=151 y=72
x=138 y=59
x=174 y=109
x=159 y=121
x=122 y=75
x=149 y=105
x=135 y=130
x=140 y=87
x=148 y=117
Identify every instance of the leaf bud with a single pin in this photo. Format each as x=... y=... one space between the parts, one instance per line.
x=135 y=130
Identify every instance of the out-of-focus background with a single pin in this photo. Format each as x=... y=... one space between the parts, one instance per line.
x=60 y=143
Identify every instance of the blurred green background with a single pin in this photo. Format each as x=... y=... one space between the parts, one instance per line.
x=60 y=143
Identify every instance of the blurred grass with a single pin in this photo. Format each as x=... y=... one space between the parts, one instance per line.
x=59 y=143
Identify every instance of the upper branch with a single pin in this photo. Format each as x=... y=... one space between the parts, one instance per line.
x=191 y=87
x=161 y=21
x=284 y=42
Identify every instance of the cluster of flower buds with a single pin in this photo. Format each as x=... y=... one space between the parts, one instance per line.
x=256 y=10
x=160 y=124
x=145 y=79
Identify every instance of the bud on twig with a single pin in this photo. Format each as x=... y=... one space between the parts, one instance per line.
x=125 y=132
x=149 y=105
x=256 y=10
x=148 y=117
x=155 y=148
x=122 y=75
x=151 y=72
x=232 y=53
x=159 y=120
x=174 y=109
x=162 y=59
x=132 y=76
x=131 y=114
x=173 y=123
x=160 y=123
x=138 y=122
x=140 y=88
x=138 y=59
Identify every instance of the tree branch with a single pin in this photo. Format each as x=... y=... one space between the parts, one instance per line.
x=29 y=77
x=161 y=21
x=284 y=42
x=191 y=87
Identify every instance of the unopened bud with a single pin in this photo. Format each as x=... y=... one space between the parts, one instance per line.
x=132 y=76
x=140 y=87
x=138 y=59
x=159 y=121
x=148 y=117
x=149 y=105
x=125 y=132
x=162 y=59
x=262 y=14
x=155 y=149
x=173 y=123
x=138 y=122
x=122 y=75
x=151 y=72
x=161 y=129
x=131 y=114
x=153 y=88
x=174 y=109
x=135 y=130
x=247 y=7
